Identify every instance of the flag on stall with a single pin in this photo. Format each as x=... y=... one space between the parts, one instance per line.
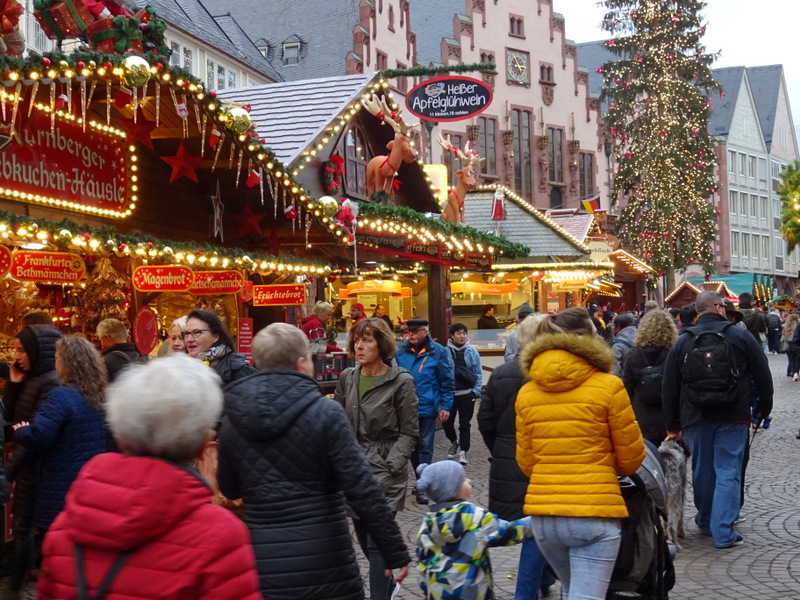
x=590 y=206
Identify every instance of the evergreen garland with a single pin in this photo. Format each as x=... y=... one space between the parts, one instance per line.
x=111 y=241
x=658 y=121
x=414 y=218
x=433 y=71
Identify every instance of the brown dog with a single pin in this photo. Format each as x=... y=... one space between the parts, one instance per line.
x=674 y=454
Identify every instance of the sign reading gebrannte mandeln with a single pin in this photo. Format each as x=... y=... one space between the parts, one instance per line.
x=279 y=295
x=168 y=278
x=53 y=267
x=217 y=282
x=64 y=167
x=449 y=98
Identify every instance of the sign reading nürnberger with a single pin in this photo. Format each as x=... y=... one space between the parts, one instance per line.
x=279 y=295
x=449 y=98
x=82 y=170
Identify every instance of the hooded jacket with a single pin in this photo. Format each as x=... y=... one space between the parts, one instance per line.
x=453 y=549
x=119 y=356
x=183 y=546
x=386 y=425
x=432 y=369
x=291 y=455
x=621 y=346
x=576 y=431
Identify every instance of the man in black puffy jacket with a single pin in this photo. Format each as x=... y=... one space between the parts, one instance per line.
x=292 y=456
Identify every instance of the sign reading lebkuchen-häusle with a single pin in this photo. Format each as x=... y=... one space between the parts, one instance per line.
x=64 y=167
x=53 y=267
x=217 y=282
x=279 y=295
x=451 y=98
x=168 y=278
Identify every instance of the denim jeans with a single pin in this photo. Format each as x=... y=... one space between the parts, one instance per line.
x=581 y=550
x=717 y=452
x=532 y=572
x=379 y=584
x=423 y=453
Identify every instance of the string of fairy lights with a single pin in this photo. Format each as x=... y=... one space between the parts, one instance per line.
x=658 y=121
x=94 y=73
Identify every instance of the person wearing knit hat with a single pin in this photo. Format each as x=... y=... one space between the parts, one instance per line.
x=512 y=346
x=454 y=539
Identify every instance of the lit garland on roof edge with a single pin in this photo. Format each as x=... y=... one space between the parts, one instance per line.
x=401 y=220
x=106 y=241
x=658 y=121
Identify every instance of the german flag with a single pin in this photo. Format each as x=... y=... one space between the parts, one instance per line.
x=590 y=206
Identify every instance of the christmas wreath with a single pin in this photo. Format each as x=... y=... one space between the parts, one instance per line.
x=332 y=173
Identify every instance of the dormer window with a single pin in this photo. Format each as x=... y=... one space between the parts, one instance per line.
x=291 y=53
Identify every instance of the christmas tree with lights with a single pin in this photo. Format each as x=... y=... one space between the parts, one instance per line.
x=789 y=191
x=659 y=106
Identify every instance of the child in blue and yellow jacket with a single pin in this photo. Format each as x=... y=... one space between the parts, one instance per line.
x=455 y=537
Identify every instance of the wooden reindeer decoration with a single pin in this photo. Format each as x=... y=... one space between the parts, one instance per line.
x=381 y=170
x=467 y=180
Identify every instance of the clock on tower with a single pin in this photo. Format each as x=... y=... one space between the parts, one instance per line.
x=517 y=65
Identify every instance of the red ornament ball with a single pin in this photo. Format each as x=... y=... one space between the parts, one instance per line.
x=213 y=94
x=159 y=66
x=85 y=236
x=81 y=65
x=332 y=278
x=45 y=61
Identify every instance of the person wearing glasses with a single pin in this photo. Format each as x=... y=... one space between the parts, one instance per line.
x=432 y=369
x=207 y=339
x=717 y=436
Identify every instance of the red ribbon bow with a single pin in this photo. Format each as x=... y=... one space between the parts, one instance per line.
x=10 y=12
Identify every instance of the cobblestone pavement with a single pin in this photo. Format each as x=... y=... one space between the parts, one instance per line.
x=766 y=567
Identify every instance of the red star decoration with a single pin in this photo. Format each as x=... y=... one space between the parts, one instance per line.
x=138 y=131
x=248 y=221
x=183 y=164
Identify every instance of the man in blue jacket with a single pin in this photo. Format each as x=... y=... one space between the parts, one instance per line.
x=432 y=369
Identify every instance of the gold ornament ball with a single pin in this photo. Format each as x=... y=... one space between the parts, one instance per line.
x=239 y=120
x=328 y=206
x=136 y=71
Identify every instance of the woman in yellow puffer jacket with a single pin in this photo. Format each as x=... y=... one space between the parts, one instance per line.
x=576 y=431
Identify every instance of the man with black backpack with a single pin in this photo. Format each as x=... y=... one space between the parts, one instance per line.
x=706 y=398
x=118 y=352
x=468 y=378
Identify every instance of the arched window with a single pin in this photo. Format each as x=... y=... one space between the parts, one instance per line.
x=355 y=163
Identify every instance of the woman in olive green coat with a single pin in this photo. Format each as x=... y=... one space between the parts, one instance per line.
x=381 y=403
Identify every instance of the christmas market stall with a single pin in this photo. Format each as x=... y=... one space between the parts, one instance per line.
x=626 y=288
x=128 y=190
x=559 y=267
x=346 y=142
x=687 y=292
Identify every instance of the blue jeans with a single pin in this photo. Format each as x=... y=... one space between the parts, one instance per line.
x=532 y=572
x=717 y=453
x=581 y=550
x=423 y=453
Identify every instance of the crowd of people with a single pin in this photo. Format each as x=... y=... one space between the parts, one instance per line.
x=109 y=447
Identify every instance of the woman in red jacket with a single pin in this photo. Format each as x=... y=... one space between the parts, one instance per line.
x=146 y=511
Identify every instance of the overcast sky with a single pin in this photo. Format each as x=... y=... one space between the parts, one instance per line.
x=747 y=33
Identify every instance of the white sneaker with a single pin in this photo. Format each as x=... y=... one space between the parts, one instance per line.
x=395 y=592
x=462 y=458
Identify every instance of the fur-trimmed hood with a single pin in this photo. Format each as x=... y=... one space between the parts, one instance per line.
x=562 y=361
